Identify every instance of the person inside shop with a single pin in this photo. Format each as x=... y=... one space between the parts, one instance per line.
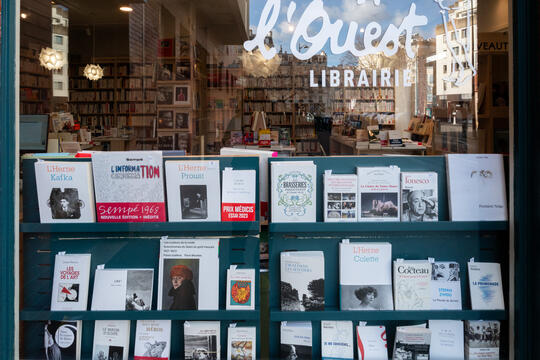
x=183 y=290
x=421 y=207
x=367 y=296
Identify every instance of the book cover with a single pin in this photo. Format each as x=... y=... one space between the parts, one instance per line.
x=445 y=286
x=412 y=284
x=193 y=190
x=238 y=198
x=129 y=186
x=446 y=339
x=482 y=340
x=62 y=340
x=201 y=340
x=302 y=281
x=70 y=282
x=412 y=342
x=340 y=197
x=152 y=340
x=111 y=340
x=485 y=285
x=295 y=340
x=240 y=289
x=65 y=191
x=419 y=195
x=476 y=187
x=371 y=343
x=188 y=274
x=337 y=340
x=242 y=343
x=378 y=192
x=123 y=289
x=365 y=276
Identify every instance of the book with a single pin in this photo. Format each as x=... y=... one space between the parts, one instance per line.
x=201 y=340
x=419 y=192
x=446 y=339
x=193 y=190
x=238 y=197
x=302 y=281
x=337 y=340
x=445 y=286
x=70 y=282
x=188 y=274
x=294 y=191
x=129 y=186
x=242 y=343
x=412 y=284
x=378 y=192
x=65 y=191
x=62 y=340
x=482 y=340
x=371 y=343
x=111 y=340
x=296 y=340
x=240 y=289
x=123 y=289
x=476 y=187
x=485 y=284
x=365 y=276
x=412 y=342
x=152 y=340
x=340 y=197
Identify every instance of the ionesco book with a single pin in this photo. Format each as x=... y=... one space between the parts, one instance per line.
x=70 y=282
x=419 y=196
x=153 y=340
x=412 y=284
x=445 y=286
x=337 y=340
x=485 y=285
x=111 y=339
x=378 y=192
x=296 y=340
x=340 y=197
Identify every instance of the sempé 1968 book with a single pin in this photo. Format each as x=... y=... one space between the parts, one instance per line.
x=485 y=284
x=412 y=342
x=445 y=286
x=446 y=339
x=111 y=340
x=337 y=340
x=240 y=289
x=340 y=197
x=412 y=284
x=296 y=340
x=371 y=342
x=242 y=343
x=378 y=192
x=70 y=282
x=419 y=197
x=202 y=340
x=62 y=340
x=152 y=340
x=482 y=340
x=238 y=198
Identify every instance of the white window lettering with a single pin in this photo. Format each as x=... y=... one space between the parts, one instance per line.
x=374 y=77
x=334 y=78
x=385 y=77
x=407 y=78
x=362 y=79
x=312 y=82
x=348 y=78
x=323 y=78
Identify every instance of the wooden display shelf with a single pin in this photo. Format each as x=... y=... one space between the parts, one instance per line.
x=39 y=315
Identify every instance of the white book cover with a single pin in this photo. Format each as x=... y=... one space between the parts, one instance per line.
x=485 y=284
x=65 y=191
x=337 y=341
x=193 y=190
x=201 y=340
x=482 y=340
x=371 y=343
x=238 y=199
x=294 y=191
x=240 y=289
x=378 y=193
x=111 y=340
x=419 y=196
x=476 y=187
x=412 y=342
x=302 y=281
x=123 y=289
x=62 y=339
x=365 y=276
x=188 y=274
x=153 y=340
x=446 y=339
x=242 y=343
x=445 y=286
x=129 y=186
x=412 y=284
x=296 y=340
x=340 y=197
x=70 y=282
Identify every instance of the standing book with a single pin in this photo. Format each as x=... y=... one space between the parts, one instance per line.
x=296 y=340
x=482 y=340
x=111 y=340
x=340 y=197
x=378 y=192
x=445 y=286
x=242 y=343
x=240 y=289
x=446 y=339
x=70 y=282
x=371 y=343
x=238 y=198
x=485 y=284
x=202 y=340
x=62 y=340
x=337 y=340
x=412 y=284
x=419 y=197
x=412 y=342
x=153 y=340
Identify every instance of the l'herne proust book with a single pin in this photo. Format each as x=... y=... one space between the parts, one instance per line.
x=446 y=339
x=62 y=340
x=202 y=340
x=153 y=340
x=302 y=281
x=70 y=282
x=412 y=284
x=419 y=197
x=365 y=276
x=485 y=284
x=445 y=286
x=296 y=340
x=337 y=340
x=240 y=289
x=65 y=191
x=294 y=190
x=371 y=343
x=238 y=200
x=111 y=340
x=188 y=274
x=193 y=190
x=123 y=289
x=242 y=343
x=412 y=342
x=340 y=197
x=129 y=186
x=482 y=340
x=379 y=194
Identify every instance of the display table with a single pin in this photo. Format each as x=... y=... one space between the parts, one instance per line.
x=345 y=145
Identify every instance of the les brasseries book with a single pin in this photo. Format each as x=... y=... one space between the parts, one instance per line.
x=240 y=289
x=482 y=340
x=238 y=198
x=445 y=286
x=62 y=340
x=337 y=340
x=202 y=340
x=371 y=342
x=65 y=191
x=340 y=197
x=70 y=282
x=412 y=342
x=446 y=339
x=378 y=192
x=419 y=197
x=412 y=284
x=111 y=340
x=242 y=343
x=296 y=340
x=485 y=284
x=152 y=340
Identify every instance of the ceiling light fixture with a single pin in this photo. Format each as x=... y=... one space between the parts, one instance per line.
x=93 y=72
x=51 y=59
x=126 y=8
x=24 y=15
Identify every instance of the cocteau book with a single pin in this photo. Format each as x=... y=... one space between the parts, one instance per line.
x=62 y=339
x=294 y=191
x=296 y=340
x=240 y=289
x=412 y=342
x=123 y=289
x=242 y=343
x=302 y=281
x=412 y=284
x=111 y=340
x=70 y=282
x=419 y=196
x=152 y=340
x=188 y=274
x=129 y=186
x=340 y=197
x=476 y=187
x=485 y=284
x=202 y=340
x=378 y=192
x=445 y=286
x=446 y=339
x=337 y=340
x=371 y=342
x=482 y=340
x=238 y=198
x=365 y=276
x=193 y=190
x=65 y=191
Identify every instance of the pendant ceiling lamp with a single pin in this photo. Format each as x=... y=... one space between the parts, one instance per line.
x=51 y=59
x=93 y=72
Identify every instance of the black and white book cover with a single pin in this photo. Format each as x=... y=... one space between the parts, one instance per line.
x=412 y=342
x=296 y=340
x=446 y=339
x=62 y=340
x=302 y=281
x=340 y=197
x=379 y=193
x=445 y=285
x=419 y=195
x=152 y=340
x=242 y=343
x=412 y=284
x=111 y=340
x=482 y=340
x=202 y=340
x=70 y=282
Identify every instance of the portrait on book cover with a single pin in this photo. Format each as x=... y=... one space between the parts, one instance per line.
x=194 y=201
x=65 y=204
x=180 y=284
x=295 y=352
x=419 y=205
x=165 y=119
x=366 y=297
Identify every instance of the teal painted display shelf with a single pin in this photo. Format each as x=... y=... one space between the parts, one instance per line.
x=29 y=315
